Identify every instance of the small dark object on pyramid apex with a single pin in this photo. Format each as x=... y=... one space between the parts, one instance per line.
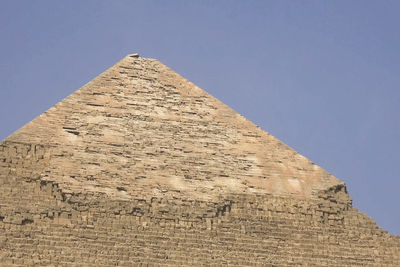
x=134 y=55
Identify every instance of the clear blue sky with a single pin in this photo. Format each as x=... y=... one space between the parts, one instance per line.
x=322 y=76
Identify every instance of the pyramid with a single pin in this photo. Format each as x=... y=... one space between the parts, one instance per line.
x=142 y=167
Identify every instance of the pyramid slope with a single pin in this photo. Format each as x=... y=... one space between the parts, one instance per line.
x=141 y=167
x=141 y=130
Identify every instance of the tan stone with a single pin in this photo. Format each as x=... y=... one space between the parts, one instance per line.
x=140 y=166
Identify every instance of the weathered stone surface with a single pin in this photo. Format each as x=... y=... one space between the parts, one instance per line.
x=140 y=166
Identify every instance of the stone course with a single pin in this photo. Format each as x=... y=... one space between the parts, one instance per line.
x=140 y=167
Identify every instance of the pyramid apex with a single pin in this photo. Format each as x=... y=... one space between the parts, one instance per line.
x=135 y=55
